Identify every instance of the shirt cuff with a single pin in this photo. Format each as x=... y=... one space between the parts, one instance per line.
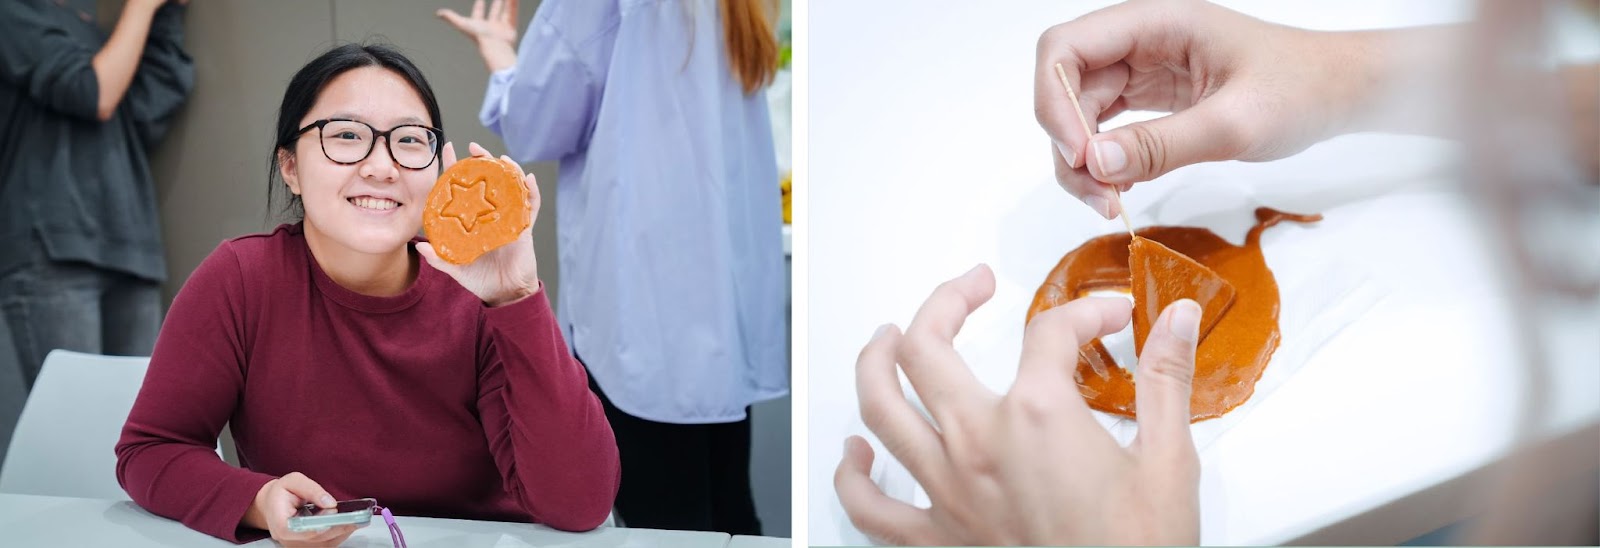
x=239 y=496
x=522 y=313
x=495 y=96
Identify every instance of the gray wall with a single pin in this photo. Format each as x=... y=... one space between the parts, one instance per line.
x=211 y=171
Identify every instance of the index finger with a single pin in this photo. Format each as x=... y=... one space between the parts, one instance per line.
x=928 y=355
x=454 y=19
x=886 y=412
x=1091 y=43
x=1050 y=344
x=514 y=166
x=447 y=157
x=306 y=490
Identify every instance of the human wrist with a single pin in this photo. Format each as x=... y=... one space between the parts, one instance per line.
x=497 y=55
x=1347 y=74
x=253 y=517
x=142 y=8
x=1404 y=80
x=513 y=295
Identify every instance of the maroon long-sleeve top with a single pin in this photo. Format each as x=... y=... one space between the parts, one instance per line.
x=429 y=401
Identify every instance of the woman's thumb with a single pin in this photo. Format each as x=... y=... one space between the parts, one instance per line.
x=1145 y=150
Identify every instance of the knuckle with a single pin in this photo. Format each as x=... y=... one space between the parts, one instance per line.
x=874 y=413
x=1170 y=368
x=1048 y=39
x=1151 y=158
x=1066 y=179
x=918 y=347
x=1029 y=406
x=875 y=527
x=1191 y=468
x=902 y=450
x=971 y=455
x=864 y=357
x=1056 y=323
x=1042 y=325
x=1189 y=464
x=1234 y=138
x=948 y=288
x=1178 y=8
x=1234 y=135
x=1179 y=466
x=874 y=350
x=841 y=473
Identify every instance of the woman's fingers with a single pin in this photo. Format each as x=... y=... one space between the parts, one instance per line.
x=447 y=157
x=927 y=351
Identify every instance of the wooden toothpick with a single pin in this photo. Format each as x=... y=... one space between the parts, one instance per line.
x=1087 y=131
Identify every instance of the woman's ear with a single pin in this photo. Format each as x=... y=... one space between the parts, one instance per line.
x=287 y=169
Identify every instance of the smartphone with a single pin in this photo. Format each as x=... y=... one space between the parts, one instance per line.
x=350 y=512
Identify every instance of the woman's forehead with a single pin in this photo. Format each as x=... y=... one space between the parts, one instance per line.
x=374 y=95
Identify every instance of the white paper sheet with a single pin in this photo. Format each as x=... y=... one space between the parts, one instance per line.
x=1319 y=295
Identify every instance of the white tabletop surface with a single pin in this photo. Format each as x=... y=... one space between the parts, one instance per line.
x=746 y=541
x=925 y=159
x=28 y=521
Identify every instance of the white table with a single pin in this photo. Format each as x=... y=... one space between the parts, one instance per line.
x=28 y=521
x=746 y=541
x=925 y=159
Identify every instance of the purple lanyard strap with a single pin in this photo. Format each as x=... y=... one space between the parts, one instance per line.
x=394 y=528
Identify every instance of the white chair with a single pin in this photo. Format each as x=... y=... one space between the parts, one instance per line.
x=65 y=440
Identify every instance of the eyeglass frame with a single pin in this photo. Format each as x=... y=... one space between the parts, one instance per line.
x=388 y=143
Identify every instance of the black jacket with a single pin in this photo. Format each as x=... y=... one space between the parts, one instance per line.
x=79 y=187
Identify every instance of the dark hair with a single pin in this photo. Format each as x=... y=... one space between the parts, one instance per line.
x=306 y=87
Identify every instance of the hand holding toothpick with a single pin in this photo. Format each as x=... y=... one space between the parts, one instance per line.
x=1087 y=132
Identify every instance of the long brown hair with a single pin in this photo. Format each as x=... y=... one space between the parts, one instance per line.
x=752 y=45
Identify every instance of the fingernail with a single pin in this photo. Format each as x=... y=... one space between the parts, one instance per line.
x=1099 y=204
x=325 y=501
x=974 y=271
x=1066 y=152
x=882 y=329
x=1112 y=158
x=1184 y=322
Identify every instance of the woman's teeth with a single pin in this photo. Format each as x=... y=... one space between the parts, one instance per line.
x=374 y=203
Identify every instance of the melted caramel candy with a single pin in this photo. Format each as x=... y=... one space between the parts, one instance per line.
x=1237 y=294
x=1161 y=277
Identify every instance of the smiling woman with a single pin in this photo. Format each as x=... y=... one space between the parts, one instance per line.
x=325 y=132
x=299 y=337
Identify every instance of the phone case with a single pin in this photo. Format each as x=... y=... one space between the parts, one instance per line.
x=311 y=518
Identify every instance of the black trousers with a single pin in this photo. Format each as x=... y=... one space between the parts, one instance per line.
x=683 y=476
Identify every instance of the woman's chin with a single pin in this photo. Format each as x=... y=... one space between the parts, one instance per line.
x=378 y=239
